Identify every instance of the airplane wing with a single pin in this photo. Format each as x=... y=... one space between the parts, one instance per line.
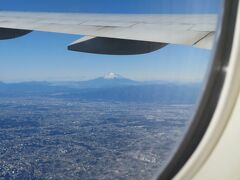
x=115 y=33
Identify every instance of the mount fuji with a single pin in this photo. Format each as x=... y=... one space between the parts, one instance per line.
x=109 y=80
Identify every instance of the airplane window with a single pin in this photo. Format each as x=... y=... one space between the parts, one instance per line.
x=100 y=90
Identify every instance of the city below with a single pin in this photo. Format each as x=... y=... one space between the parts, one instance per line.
x=107 y=128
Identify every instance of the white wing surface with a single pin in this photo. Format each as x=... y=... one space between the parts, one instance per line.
x=116 y=33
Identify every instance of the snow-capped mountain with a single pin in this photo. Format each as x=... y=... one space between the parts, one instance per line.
x=112 y=75
x=108 y=80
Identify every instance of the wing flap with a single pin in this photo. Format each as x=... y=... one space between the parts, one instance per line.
x=206 y=42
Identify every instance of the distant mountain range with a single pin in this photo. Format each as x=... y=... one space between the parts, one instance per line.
x=111 y=87
x=109 y=80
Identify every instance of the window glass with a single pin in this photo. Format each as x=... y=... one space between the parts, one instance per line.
x=73 y=115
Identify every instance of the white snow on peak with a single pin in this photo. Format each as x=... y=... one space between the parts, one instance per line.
x=112 y=75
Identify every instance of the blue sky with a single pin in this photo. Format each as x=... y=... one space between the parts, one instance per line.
x=44 y=56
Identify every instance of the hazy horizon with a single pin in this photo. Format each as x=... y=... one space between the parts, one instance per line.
x=103 y=76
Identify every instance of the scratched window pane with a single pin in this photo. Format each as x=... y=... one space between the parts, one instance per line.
x=107 y=94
